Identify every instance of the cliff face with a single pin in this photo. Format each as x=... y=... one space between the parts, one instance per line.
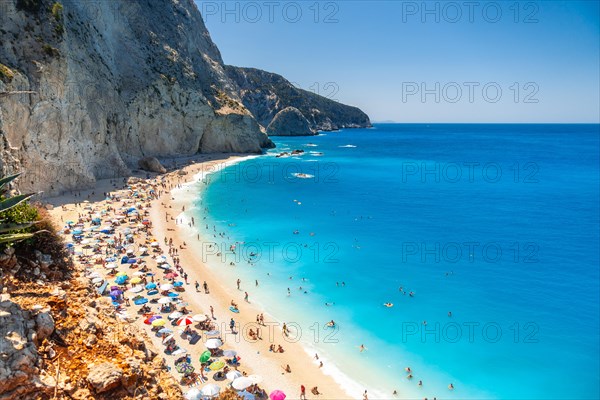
x=266 y=94
x=97 y=85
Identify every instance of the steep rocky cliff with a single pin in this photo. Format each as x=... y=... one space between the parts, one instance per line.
x=89 y=87
x=266 y=94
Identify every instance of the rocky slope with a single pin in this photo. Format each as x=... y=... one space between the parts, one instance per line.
x=87 y=88
x=266 y=94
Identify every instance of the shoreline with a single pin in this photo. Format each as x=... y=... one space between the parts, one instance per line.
x=255 y=355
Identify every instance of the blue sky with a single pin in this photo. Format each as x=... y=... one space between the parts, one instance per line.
x=414 y=61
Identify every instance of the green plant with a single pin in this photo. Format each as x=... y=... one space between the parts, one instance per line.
x=59 y=29
x=6 y=74
x=49 y=50
x=16 y=215
x=57 y=11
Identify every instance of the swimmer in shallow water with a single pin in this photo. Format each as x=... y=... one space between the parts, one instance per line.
x=388 y=305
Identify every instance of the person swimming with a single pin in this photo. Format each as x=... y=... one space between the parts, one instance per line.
x=388 y=305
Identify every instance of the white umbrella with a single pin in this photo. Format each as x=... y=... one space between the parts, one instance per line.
x=130 y=251
x=97 y=280
x=175 y=315
x=136 y=289
x=193 y=394
x=161 y=259
x=167 y=338
x=213 y=343
x=143 y=249
x=154 y=244
x=110 y=266
x=233 y=375
x=166 y=286
x=164 y=300
x=179 y=351
x=241 y=383
x=139 y=273
x=210 y=390
x=199 y=318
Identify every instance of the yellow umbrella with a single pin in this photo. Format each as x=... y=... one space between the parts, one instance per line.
x=217 y=365
x=158 y=322
x=122 y=274
x=136 y=280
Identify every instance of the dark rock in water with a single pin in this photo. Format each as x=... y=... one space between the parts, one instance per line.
x=151 y=164
x=289 y=122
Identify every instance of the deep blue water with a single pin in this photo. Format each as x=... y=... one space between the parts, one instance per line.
x=497 y=224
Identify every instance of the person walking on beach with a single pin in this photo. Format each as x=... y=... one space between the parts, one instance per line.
x=238 y=283
x=302 y=392
x=212 y=312
x=365 y=396
x=232 y=325
x=197 y=286
x=246 y=297
x=205 y=285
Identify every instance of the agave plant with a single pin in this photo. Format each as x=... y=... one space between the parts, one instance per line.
x=9 y=231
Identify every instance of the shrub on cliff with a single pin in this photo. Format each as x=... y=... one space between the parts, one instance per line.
x=16 y=215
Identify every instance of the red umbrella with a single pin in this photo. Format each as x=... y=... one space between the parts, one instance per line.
x=185 y=321
x=149 y=320
x=171 y=275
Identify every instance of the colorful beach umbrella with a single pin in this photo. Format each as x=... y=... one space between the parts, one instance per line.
x=184 y=321
x=204 y=357
x=135 y=280
x=184 y=368
x=178 y=284
x=159 y=322
x=277 y=395
x=151 y=286
x=217 y=365
x=171 y=275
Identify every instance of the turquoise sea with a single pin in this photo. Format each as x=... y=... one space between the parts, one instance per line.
x=496 y=224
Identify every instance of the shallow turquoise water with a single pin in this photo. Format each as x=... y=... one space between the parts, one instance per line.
x=497 y=224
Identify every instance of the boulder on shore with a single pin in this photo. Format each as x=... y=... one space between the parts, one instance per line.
x=151 y=164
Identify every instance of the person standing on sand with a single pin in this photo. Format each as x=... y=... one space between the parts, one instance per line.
x=365 y=396
x=212 y=312
x=246 y=297
x=197 y=286
x=302 y=392
x=238 y=283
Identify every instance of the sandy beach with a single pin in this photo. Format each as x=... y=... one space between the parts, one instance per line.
x=163 y=212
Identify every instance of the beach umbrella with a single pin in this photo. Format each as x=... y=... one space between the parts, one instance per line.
x=139 y=273
x=241 y=383
x=256 y=379
x=161 y=259
x=184 y=368
x=150 y=286
x=135 y=280
x=199 y=318
x=175 y=315
x=140 y=301
x=204 y=357
x=212 y=390
x=115 y=292
x=277 y=395
x=184 y=321
x=233 y=375
x=136 y=289
x=230 y=353
x=217 y=365
x=214 y=332
x=121 y=273
x=245 y=395
x=149 y=320
x=179 y=351
x=173 y=295
x=165 y=331
x=110 y=266
x=178 y=284
x=213 y=343
x=131 y=261
x=164 y=266
x=165 y=340
x=159 y=322
x=171 y=275
x=193 y=394
x=164 y=300
x=154 y=244
x=166 y=286
x=97 y=280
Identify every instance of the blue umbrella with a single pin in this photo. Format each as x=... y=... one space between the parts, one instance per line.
x=173 y=294
x=124 y=260
x=77 y=231
x=151 y=285
x=178 y=284
x=96 y=220
x=115 y=292
x=131 y=261
x=111 y=259
x=141 y=301
x=121 y=280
